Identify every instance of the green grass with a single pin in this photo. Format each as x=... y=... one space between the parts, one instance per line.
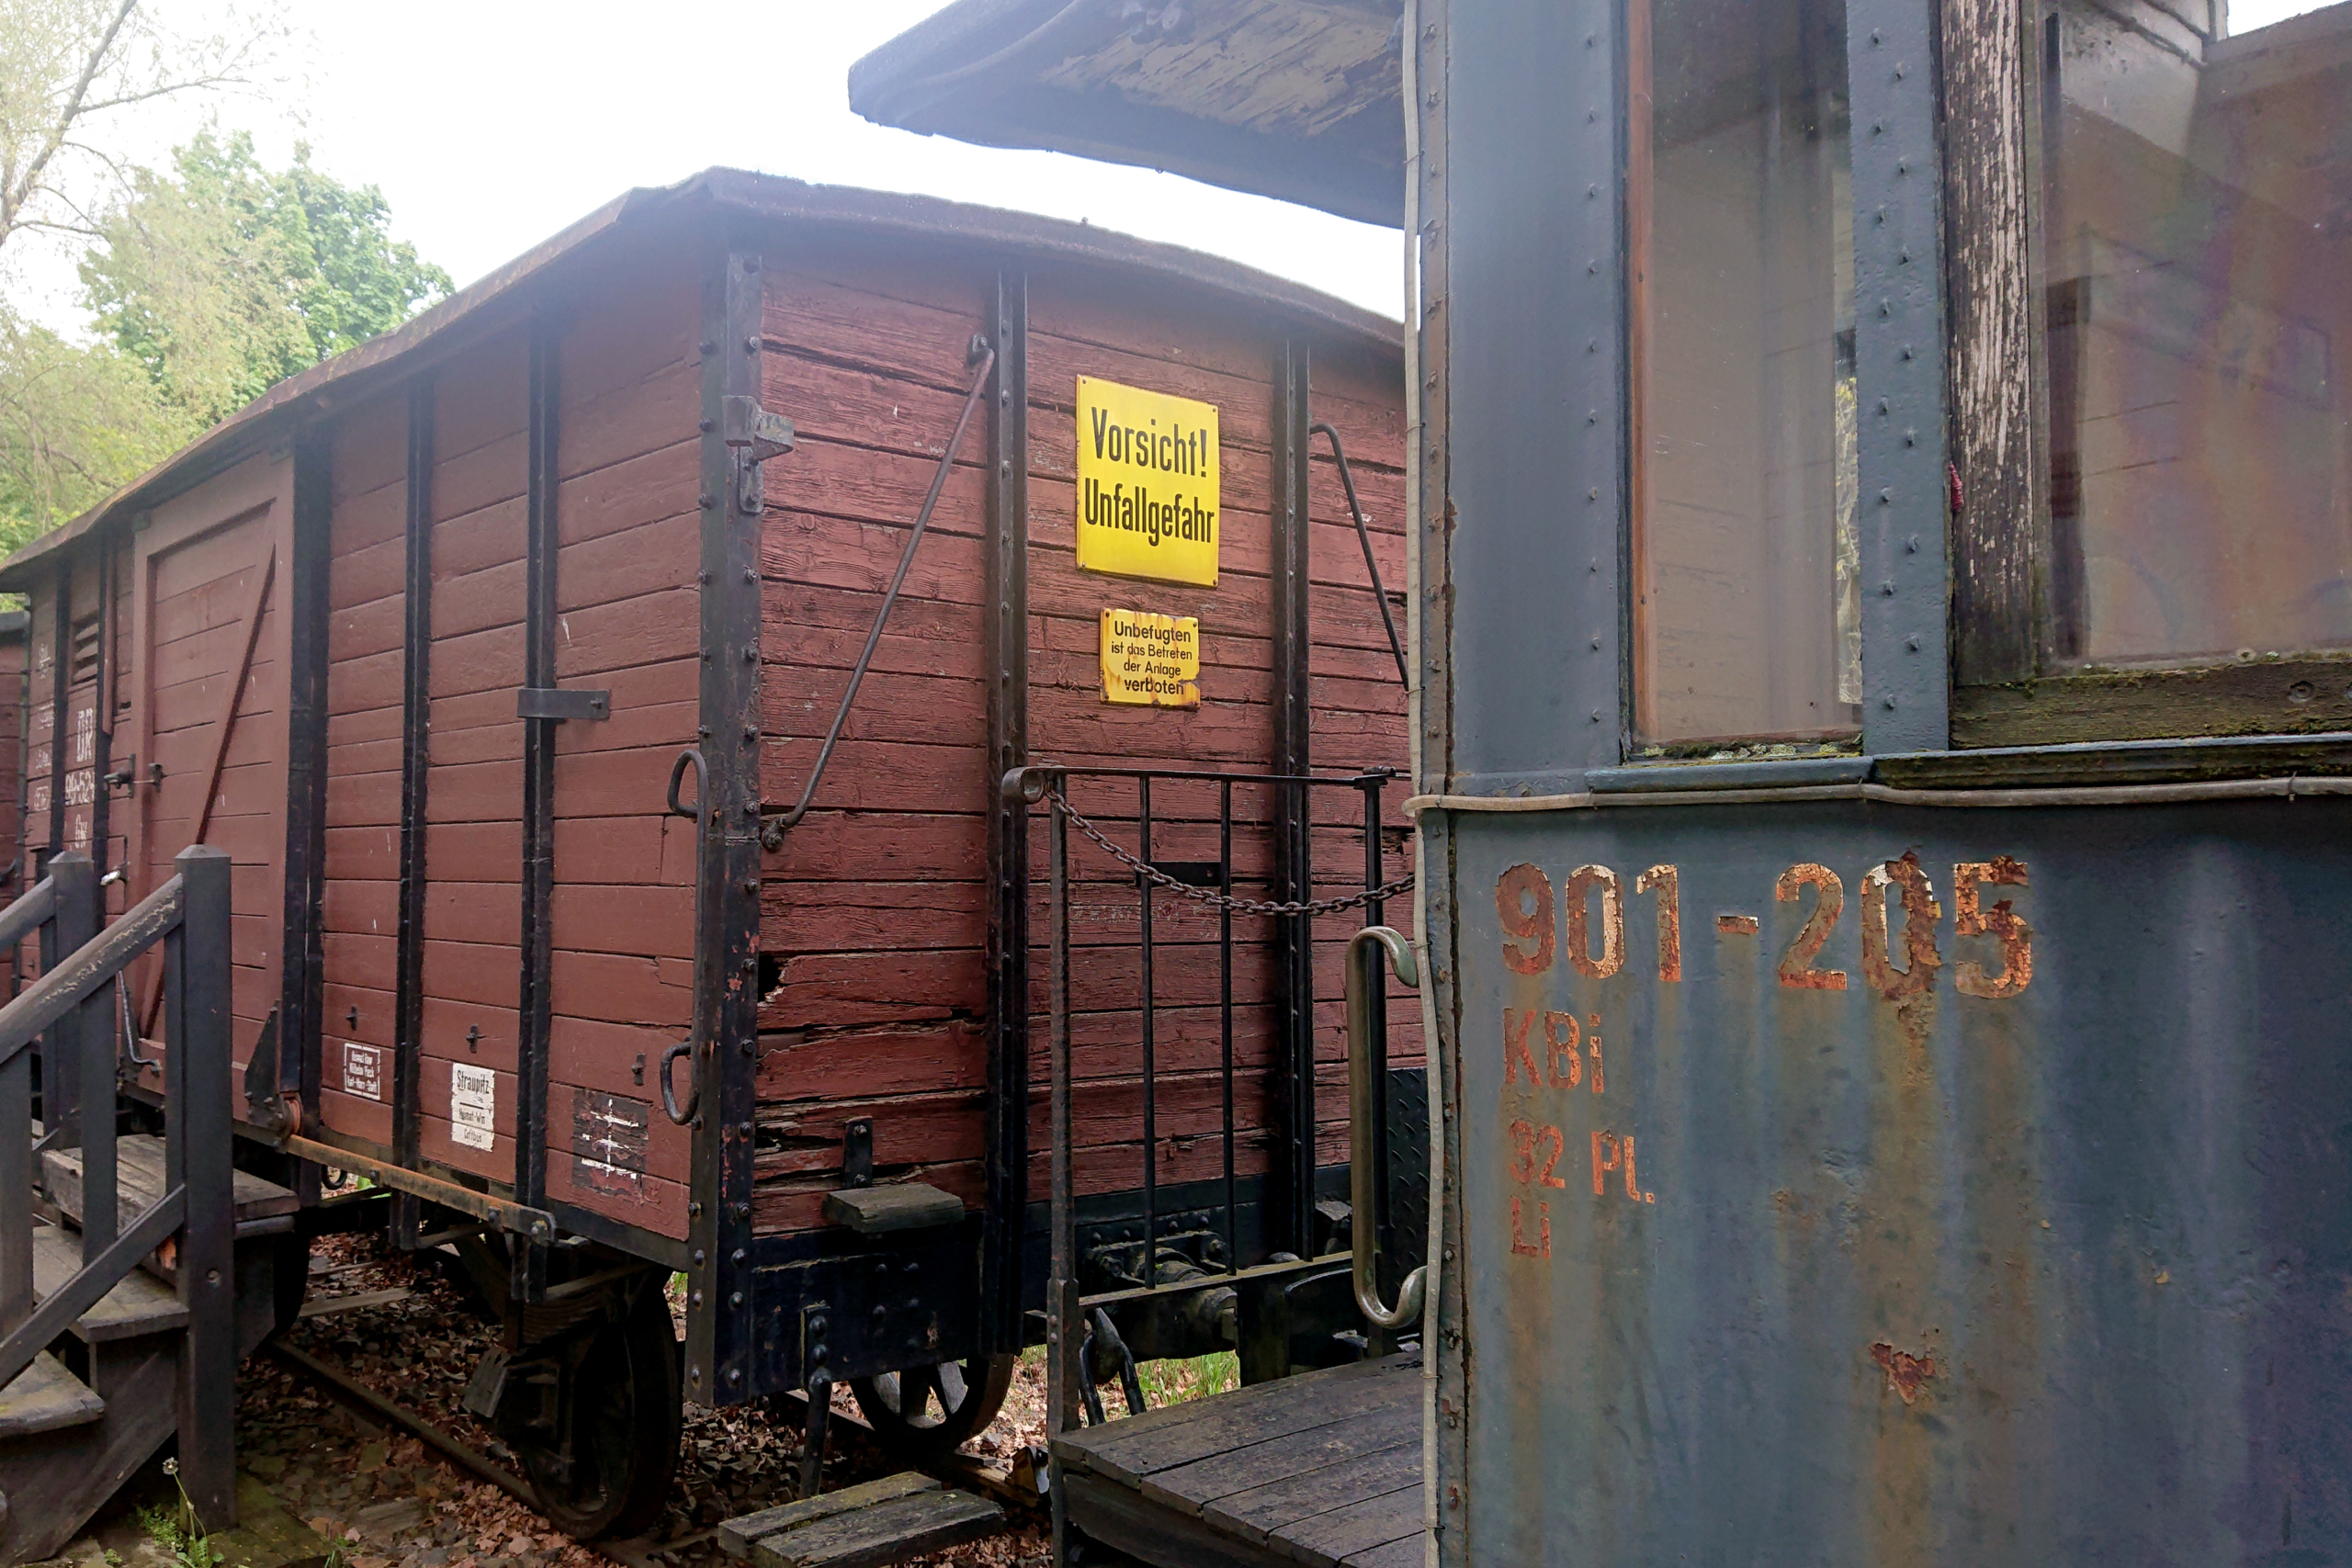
x=1198 y=1377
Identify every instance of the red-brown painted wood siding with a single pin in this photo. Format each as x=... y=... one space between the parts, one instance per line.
x=359 y=904
x=872 y=909
x=12 y=691
x=473 y=841
x=628 y=620
x=874 y=913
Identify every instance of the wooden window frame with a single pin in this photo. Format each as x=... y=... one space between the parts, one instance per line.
x=2009 y=684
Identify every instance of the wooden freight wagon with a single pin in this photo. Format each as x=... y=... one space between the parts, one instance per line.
x=504 y=654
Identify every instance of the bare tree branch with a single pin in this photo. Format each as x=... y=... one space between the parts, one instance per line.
x=73 y=61
x=13 y=201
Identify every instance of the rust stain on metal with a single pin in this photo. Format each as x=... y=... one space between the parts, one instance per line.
x=2001 y=921
x=1904 y=1372
x=1577 y=894
x=1920 y=913
x=1524 y=904
x=1667 y=882
x=1796 y=968
x=1737 y=925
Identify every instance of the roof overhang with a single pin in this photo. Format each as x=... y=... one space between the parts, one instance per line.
x=1296 y=99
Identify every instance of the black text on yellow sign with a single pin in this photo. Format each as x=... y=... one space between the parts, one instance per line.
x=1152 y=660
x=1146 y=483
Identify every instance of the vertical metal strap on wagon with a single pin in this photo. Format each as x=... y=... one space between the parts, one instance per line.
x=1899 y=356
x=1294 y=1214
x=1064 y=1377
x=720 y=1315
x=416 y=720
x=302 y=983
x=1003 y=1214
x=536 y=1013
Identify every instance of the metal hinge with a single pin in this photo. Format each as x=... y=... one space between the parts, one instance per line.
x=563 y=702
x=758 y=436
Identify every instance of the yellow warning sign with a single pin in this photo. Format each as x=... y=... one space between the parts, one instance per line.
x=1152 y=659
x=1146 y=483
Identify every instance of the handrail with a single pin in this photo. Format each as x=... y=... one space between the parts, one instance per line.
x=1363 y=1180
x=23 y=917
x=153 y=1226
x=79 y=975
x=189 y=915
x=773 y=827
x=1029 y=783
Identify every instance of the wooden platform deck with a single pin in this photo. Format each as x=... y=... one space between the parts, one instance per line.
x=1322 y=1469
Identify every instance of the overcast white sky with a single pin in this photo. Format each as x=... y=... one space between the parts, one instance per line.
x=491 y=124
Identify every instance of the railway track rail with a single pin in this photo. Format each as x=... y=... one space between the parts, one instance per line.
x=964 y=1470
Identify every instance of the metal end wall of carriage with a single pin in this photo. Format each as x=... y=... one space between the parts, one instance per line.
x=607 y=686
x=1884 y=726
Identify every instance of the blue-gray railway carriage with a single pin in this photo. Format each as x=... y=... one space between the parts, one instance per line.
x=1883 y=679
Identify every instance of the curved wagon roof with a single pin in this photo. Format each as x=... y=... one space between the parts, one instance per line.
x=719 y=195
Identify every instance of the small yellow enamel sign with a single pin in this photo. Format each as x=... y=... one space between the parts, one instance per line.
x=1152 y=659
x=1146 y=483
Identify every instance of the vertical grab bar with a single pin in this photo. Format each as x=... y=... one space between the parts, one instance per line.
x=1361 y=1177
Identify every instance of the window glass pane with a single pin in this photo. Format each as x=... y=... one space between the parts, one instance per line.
x=2198 y=217
x=1746 y=619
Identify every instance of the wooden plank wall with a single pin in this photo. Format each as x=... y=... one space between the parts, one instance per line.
x=30 y=674
x=360 y=907
x=1089 y=324
x=473 y=841
x=629 y=620
x=14 y=691
x=874 y=913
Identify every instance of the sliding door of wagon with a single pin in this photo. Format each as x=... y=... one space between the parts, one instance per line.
x=206 y=741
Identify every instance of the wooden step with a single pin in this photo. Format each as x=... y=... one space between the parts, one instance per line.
x=138 y=1181
x=47 y=1398
x=139 y=1304
x=867 y=1526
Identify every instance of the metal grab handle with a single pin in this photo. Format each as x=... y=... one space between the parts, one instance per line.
x=1364 y=536
x=1362 y=1190
x=702 y=784
x=694 y=1084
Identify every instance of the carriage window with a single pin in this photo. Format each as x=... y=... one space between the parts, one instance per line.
x=1746 y=613
x=2198 y=246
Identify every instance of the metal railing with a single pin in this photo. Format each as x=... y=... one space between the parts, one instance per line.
x=1188 y=811
x=70 y=1005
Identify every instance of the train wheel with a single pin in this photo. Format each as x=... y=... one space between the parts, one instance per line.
x=626 y=1413
x=924 y=1412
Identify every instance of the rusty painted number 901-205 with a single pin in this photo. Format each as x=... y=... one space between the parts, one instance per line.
x=1900 y=954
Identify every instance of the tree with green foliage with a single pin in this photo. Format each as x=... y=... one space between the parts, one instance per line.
x=223 y=277
x=209 y=283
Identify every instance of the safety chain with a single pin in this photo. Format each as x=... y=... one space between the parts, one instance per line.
x=1210 y=895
